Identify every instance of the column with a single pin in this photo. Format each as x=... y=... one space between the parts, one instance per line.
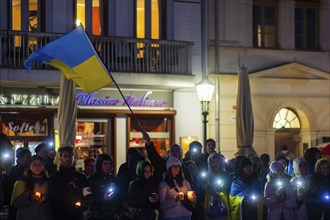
x=120 y=141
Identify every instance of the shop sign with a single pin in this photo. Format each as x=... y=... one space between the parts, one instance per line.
x=90 y=99
x=99 y=98
x=24 y=126
x=27 y=100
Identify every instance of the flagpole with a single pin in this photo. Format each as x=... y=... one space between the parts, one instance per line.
x=113 y=80
x=129 y=107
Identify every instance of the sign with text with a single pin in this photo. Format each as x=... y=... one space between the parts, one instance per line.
x=24 y=126
x=102 y=98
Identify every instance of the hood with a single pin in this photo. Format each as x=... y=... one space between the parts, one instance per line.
x=140 y=168
x=180 y=149
x=99 y=159
x=296 y=163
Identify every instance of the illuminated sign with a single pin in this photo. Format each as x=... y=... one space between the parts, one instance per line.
x=97 y=99
x=24 y=126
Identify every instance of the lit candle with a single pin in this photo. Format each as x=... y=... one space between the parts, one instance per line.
x=78 y=204
x=38 y=195
x=191 y=195
x=181 y=193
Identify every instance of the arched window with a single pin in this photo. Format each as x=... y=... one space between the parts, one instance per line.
x=286 y=118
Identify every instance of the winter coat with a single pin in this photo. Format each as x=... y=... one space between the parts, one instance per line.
x=138 y=197
x=170 y=208
x=301 y=185
x=319 y=195
x=278 y=204
x=100 y=184
x=68 y=194
x=26 y=208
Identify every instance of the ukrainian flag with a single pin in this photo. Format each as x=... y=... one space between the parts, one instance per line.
x=238 y=191
x=75 y=56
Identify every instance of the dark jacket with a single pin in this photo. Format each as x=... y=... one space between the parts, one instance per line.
x=319 y=202
x=138 y=194
x=66 y=188
x=100 y=184
x=50 y=167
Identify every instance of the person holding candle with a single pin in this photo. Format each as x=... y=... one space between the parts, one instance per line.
x=30 y=193
x=69 y=192
x=172 y=192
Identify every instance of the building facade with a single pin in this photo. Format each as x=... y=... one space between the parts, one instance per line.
x=285 y=44
x=151 y=49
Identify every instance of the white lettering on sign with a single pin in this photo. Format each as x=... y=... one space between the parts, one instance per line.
x=26 y=127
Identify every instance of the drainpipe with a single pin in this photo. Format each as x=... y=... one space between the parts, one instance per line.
x=217 y=70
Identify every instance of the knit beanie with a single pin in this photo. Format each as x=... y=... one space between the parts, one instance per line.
x=20 y=152
x=171 y=161
x=276 y=165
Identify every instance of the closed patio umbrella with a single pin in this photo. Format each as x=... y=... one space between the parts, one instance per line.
x=244 y=115
x=67 y=112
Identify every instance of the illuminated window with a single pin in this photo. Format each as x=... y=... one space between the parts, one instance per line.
x=286 y=118
x=33 y=15
x=16 y=15
x=96 y=16
x=264 y=26
x=140 y=17
x=80 y=12
x=154 y=19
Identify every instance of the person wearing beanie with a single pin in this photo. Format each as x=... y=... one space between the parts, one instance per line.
x=246 y=194
x=43 y=150
x=301 y=185
x=142 y=192
x=105 y=189
x=159 y=163
x=69 y=193
x=173 y=192
x=31 y=191
x=279 y=195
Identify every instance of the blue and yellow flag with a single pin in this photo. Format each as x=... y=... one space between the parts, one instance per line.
x=75 y=56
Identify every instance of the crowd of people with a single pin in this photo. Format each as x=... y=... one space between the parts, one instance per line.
x=199 y=185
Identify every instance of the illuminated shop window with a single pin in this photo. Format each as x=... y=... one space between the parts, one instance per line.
x=286 y=118
x=96 y=17
x=159 y=129
x=91 y=137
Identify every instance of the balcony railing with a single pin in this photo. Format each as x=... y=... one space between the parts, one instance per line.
x=118 y=54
